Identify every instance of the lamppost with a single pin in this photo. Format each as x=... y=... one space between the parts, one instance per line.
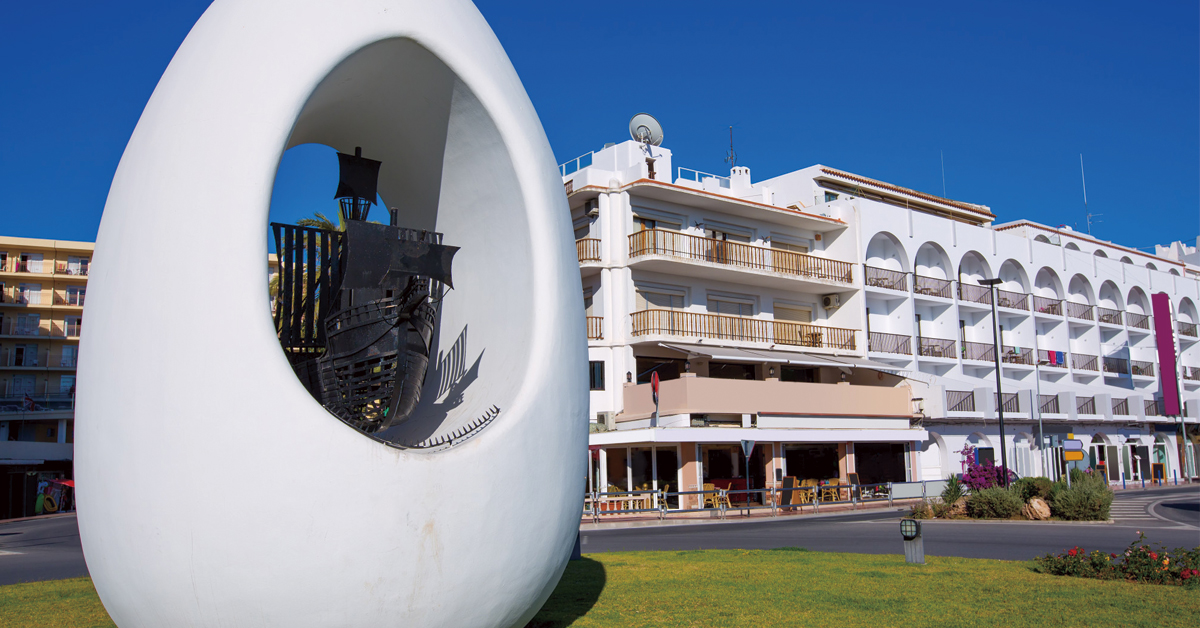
x=991 y=284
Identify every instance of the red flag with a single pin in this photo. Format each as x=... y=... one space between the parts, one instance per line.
x=654 y=386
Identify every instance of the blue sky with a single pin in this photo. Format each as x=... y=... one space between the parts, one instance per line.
x=1011 y=93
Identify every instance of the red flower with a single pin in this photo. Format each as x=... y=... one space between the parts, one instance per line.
x=1153 y=555
x=1071 y=552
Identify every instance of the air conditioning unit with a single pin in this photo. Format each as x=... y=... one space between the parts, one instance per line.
x=831 y=301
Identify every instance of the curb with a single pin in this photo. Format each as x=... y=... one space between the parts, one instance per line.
x=38 y=517
x=668 y=523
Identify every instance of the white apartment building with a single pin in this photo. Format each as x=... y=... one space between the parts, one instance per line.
x=841 y=324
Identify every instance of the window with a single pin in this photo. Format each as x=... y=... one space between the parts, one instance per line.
x=75 y=295
x=25 y=355
x=73 y=325
x=30 y=293
x=652 y=300
x=596 y=375
x=726 y=236
x=77 y=265
x=730 y=307
x=66 y=384
x=70 y=354
x=830 y=196
x=641 y=223
x=728 y=370
x=30 y=263
x=28 y=324
x=795 y=374
x=784 y=246
x=793 y=313
x=666 y=368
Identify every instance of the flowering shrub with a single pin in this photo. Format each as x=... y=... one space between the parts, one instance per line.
x=1138 y=563
x=986 y=475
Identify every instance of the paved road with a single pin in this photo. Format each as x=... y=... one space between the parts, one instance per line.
x=49 y=549
x=40 y=549
x=878 y=533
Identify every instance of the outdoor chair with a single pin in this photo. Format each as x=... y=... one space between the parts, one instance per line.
x=662 y=495
x=723 y=498
x=710 y=495
x=804 y=496
x=831 y=492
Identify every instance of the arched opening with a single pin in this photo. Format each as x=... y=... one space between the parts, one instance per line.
x=973 y=269
x=1041 y=237
x=1126 y=260
x=1046 y=284
x=1099 y=253
x=1174 y=271
x=1151 y=266
x=885 y=252
x=1080 y=291
x=1137 y=303
x=984 y=451
x=1071 y=246
x=932 y=261
x=1110 y=304
x=1187 y=311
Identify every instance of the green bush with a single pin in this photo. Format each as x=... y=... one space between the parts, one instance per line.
x=953 y=491
x=994 y=503
x=1028 y=488
x=1083 y=501
x=921 y=510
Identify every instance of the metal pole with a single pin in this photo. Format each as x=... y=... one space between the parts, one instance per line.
x=999 y=390
x=1037 y=403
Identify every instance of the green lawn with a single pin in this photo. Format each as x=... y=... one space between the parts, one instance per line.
x=766 y=588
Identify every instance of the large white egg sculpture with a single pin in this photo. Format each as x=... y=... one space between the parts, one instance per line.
x=213 y=490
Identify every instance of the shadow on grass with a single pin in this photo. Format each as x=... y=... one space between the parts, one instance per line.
x=574 y=596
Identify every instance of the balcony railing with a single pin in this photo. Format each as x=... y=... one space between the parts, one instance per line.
x=595 y=327
x=12 y=357
x=1043 y=305
x=1082 y=311
x=985 y=352
x=936 y=348
x=1053 y=358
x=687 y=246
x=1012 y=300
x=1187 y=329
x=1048 y=404
x=14 y=327
x=1105 y=315
x=974 y=294
x=889 y=343
x=588 y=249
x=1085 y=405
x=1081 y=362
x=1153 y=407
x=1017 y=355
x=66 y=268
x=1139 y=367
x=1120 y=407
x=1139 y=321
x=960 y=401
x=931 y=287
x=1010 y=402
x=1116 y=366
x=723 y=327
x=884 y=278
x=41 y=401
x=70 y=298
x=1191 y=373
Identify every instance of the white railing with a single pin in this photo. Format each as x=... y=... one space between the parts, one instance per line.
x=699 y=177
x=576 y=164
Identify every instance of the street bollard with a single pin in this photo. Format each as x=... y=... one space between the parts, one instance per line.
x=914 y=545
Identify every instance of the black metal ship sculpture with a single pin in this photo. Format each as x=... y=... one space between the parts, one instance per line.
x=356 y=309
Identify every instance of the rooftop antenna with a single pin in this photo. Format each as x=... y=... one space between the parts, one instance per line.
x=731 y=156
x=1087 y=215
x=943 y=154
x=645 y=129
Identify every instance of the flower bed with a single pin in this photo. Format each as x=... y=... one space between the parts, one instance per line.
x=1138 y=563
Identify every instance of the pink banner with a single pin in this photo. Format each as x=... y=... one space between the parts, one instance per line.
x=1164 y=337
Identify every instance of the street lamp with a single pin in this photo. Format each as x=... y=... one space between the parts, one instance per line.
x=991 y=284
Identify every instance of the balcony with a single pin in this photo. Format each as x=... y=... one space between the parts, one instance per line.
x=1012 y=300
x=694 y=248
x=15 y=401
x=1153 y=407
x=1048 y=404
x=889 y=343
x=974 y=294
x=979 y=351
x=1107 y=316
x=1187 y=329
x=588 y=250
x=741 y=328
x=1143 y=369
x=20 y=358
x=1017 y=355
x=31 y=450
x=1116 y=366
x=71 y=298
x=67 y=268
x=1085 y=405
x=1081 y=311
x=1081 y=362
x=1010 y=404
x=887 y=279
x=13 y=327
x=1049 y=307
x=930 y=287
x=595 y=327
x=960 y=401
x=1120 y=407
x=1057 y=359
x=1191 y=373
x=936 y=348
x=1137 y=321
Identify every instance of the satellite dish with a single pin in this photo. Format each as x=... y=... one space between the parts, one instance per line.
x=645 y=129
